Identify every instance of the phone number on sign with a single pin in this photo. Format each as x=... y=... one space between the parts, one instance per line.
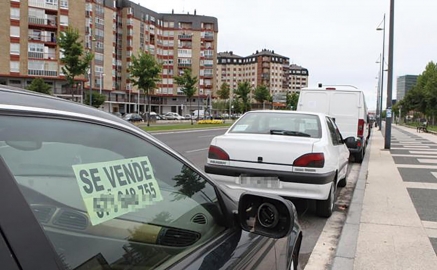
x=130 y=199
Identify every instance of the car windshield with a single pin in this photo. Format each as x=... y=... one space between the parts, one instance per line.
x=104 y=196
x=289 y=124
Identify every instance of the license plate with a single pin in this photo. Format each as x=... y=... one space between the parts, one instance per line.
x=259 y=181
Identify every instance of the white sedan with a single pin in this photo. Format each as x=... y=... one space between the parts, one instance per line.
x=288 y=153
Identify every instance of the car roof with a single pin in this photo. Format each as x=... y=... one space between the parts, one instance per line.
x=288 y=112
x=14 y=96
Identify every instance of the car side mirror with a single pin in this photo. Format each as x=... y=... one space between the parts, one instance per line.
x=266 y=215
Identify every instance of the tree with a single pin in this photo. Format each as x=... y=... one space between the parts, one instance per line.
x=187 y=83
x=97 y=99
x=38 y=85
x=292 y=100
x=262 y=94
x=224 y=91
x=76 y=62
x=242 y=92
x=145 y=73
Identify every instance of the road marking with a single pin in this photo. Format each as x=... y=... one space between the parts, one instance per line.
x=432 y=233
x=411 y=146
x=196 y=150
x=427 y=160
x=429 y=224
x=407 y=155
x=427 y=152
x=414 y=166
x=207 y=136
x=420 y=185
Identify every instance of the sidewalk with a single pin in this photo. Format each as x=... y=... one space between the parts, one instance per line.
x=383 y=230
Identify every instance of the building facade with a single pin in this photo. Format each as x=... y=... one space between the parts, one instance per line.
x=114 y=31
x=263 y=67
x=298 y=78
x=404 y=84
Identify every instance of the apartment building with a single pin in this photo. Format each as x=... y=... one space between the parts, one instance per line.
x=297 y=78
x=263 y=67
x=113 y=30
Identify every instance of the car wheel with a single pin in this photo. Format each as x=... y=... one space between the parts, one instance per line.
x=326 y=207
x=342 y=182
x=359 y=156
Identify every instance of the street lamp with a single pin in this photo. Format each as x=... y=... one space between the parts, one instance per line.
x=101 y=82
x=390 y=78
x=382 y=70
x=91 y=72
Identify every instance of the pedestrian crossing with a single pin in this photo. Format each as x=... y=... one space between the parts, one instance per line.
x=415 y=156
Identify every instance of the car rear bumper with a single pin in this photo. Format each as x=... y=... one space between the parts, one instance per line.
x=292 y=184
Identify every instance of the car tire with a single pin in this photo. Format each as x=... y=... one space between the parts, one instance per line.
x=324 y=208
x=342 y=182
x=359 y=156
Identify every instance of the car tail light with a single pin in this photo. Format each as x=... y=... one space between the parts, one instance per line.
x=360 y=127
x=216 y=152
x=314 y=160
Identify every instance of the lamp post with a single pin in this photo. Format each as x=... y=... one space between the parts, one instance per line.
x=388 y=118
x=382 y=71
x=91 y=87
x=101 y=82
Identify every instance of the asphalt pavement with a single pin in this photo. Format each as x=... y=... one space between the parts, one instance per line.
x=392 y=220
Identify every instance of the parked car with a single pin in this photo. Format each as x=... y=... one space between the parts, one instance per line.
x=287 y=153
x=173 y=116
x=187 y=117
x=82 y=189
x=133 y=117
x=118 y=114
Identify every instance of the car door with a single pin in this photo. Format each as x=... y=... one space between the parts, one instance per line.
x=339 y=147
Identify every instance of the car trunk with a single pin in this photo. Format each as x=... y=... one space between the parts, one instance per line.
x=265 y=148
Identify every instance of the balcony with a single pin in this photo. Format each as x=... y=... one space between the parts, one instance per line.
x=184 y=64
x=51 y=22
x=185 y=36
x=47 y=38
x=207 y=75
x=208 y=36
x=44 y=4
x=41 y=55
x=38 y=72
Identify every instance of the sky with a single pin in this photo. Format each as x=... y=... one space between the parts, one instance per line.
x=336 y=40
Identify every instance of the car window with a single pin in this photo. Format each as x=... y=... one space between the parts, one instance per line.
x=264 y=123
x=106 y=197
x=333 y=132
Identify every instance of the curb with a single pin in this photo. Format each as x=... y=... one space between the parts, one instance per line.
x=347 y=245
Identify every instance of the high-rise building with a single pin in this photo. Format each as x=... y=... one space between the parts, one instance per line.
x=263 y=67
x=298 y=78
x=113 y=31
x=404 y=84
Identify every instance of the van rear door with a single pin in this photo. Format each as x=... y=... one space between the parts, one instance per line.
x=345 y=108
x=314 y=101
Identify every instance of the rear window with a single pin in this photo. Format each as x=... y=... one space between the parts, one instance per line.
x=266 y=123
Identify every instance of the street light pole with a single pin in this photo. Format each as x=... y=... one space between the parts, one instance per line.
x=91 y=87
x=388 y=117
x=382 y=71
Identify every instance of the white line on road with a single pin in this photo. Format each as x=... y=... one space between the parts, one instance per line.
x=427 y=160
x=414 y=156
x=196 y=150
x=420 y=185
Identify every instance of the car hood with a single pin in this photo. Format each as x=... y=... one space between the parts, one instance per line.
x=265 y=148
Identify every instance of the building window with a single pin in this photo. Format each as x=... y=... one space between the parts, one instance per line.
x=15 y=48
x=15 y=13
x=63 y=20
x=14 y=66
x=63 y=3
x=15 y=31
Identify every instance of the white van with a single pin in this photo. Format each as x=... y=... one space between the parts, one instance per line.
x=347 y=105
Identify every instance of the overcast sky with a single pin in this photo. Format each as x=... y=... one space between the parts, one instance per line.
x=336 y=40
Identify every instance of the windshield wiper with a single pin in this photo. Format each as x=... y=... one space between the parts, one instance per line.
x=288 y=133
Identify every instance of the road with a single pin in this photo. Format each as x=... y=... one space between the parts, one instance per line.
x=194 y=146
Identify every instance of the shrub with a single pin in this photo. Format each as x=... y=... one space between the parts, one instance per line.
x=210 y=122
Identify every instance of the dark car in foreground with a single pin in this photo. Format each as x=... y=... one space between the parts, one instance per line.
x=84 y=189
